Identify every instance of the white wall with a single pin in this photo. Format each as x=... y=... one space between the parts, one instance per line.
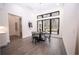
x=69 y=29
x=1 y=5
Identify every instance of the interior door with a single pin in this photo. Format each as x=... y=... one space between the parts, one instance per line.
x=15 y=28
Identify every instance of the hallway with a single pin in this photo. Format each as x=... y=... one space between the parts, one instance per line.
x=26 y=47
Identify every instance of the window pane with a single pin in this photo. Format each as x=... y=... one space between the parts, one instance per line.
x=55 y=13
x=39 y=25
x=46 y=25
x=46 y=15
x=39 y=17
x=54 y=26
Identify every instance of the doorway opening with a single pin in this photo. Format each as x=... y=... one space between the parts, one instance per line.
x=15 y=26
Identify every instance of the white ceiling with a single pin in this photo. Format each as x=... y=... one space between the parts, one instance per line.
x=40 y=6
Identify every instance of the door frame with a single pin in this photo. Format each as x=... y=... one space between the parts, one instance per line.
x=19 y=24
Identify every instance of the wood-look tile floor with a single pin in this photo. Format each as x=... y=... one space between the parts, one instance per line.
x=26 y=47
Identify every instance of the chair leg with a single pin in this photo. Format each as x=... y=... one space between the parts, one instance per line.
x=35 y=41
x=49 y=39
x=32 y=39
